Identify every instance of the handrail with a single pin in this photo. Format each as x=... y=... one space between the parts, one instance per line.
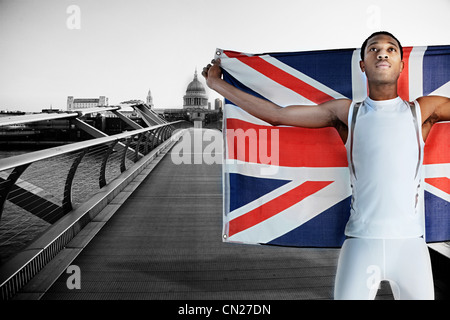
x=62 y=215
x=31 y=157
x=7 y=121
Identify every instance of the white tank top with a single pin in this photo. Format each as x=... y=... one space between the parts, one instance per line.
x=385 y=154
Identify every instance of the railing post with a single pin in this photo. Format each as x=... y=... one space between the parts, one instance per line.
x=67 y=200
x=147 y=140
x=155 y=138
x=171 y=129
x=169 y=132
x=160 y=130
x=136 y=155
x=5 y=187
x=165 y=131
x=124 y=154
x=152 y=139
x=102 y=176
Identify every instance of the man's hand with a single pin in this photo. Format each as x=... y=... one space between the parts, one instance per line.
x=212 y=73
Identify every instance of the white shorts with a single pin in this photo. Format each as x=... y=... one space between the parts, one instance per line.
x=364 y=263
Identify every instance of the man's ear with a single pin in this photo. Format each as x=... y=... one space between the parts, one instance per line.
x=402 y=65
x=361 y=65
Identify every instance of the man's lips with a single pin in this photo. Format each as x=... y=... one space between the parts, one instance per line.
x=383 y=65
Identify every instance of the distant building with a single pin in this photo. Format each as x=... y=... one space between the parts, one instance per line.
x=84 y=103
x=218 y=104
x=196 y=107
x=195 y=97
x=150 y=99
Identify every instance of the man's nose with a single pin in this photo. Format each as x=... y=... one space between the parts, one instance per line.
x=383 y=56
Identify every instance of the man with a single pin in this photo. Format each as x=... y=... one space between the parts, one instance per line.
x=384 y=137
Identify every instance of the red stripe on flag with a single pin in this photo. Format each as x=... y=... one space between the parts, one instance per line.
x=275 y=206
x=403 y=80
x=285 y=146
x=440 y=183
x=234 y=54
x=285 y=79
x=437 y=147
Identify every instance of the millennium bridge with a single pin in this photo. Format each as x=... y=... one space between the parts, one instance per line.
x=114 y=217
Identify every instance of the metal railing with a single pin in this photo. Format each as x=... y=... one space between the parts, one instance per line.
x=38 y=189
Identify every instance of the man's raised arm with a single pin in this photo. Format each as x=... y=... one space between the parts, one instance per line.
x=333 y=113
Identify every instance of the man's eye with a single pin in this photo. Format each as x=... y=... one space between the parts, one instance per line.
x=392 y=49
x=373 y=49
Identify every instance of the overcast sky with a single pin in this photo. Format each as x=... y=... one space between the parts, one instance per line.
x=50 y=49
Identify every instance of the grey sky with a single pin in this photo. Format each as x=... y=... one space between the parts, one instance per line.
x=126 y=47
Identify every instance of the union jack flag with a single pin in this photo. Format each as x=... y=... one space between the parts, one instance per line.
x=290 y=186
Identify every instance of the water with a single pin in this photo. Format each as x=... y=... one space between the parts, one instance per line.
x=47 y=178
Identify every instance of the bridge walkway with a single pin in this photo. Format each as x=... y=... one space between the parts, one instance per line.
x=164 y=242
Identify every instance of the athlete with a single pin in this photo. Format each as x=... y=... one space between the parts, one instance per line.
x=384 y=137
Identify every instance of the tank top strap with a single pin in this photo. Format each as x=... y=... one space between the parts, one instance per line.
x=354 y=112
x=412 y=107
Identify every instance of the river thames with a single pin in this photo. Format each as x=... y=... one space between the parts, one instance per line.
x=47 y=178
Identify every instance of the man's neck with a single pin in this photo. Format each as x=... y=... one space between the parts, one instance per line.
x=382 y=92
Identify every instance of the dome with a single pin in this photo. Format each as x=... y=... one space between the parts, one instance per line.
x=195 y=96
x=195 y=86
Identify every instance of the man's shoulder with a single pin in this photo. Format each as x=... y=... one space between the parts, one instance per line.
x=341 y=103
x=431 y=99
x=428 y=103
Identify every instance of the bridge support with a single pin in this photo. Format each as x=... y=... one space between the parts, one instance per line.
x=9 y=183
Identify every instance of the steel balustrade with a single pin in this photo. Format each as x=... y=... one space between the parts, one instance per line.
x=146 y=140
x=126 y=147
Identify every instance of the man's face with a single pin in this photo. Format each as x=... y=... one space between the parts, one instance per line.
x=382 y=60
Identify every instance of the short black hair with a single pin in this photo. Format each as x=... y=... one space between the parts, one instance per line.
x=364 y=45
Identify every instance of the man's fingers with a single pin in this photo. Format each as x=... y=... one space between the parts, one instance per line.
x=205 y=70
x=214 y=62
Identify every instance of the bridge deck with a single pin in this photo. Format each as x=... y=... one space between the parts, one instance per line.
x=164 y=242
